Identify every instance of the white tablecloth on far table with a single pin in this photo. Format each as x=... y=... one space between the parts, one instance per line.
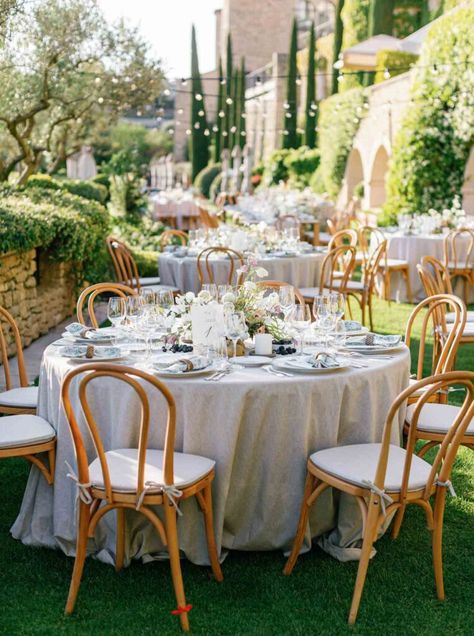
x=164 y=207
x=258 y=428
x=301 y=271
x=412 y=248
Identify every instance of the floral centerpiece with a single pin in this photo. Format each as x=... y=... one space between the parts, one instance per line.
x=452 y=218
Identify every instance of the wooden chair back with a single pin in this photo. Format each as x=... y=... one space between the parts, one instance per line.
x=89 y=294
x=339 y=260
x=443 y=462
x=126 y=270
x=169 y=235
x=276 y=284
x=445 y=342
x=434 y=276
x=137 y=380
x=6 y=317
x=203 y=265
x=372 y=266
x=453 y=246
x=369 y=239
x=339 y=221
x=287 y=221
x=343 y=237
x=208 y=220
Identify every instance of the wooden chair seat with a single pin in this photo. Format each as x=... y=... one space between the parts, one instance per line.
x=24 y=430
x=123 y=470
x=437 y=418
x=357 y=464
x=24 y=397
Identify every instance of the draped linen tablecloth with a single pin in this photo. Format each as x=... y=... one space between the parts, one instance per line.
x=181 y=272
x=166 y=207
x=412 y=248
x=259 y=429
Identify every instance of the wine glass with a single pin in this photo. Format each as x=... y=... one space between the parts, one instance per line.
x=324 y=312
x=286 y=294
x=116 y=310
x=148 y=295
x=165 y=299
x=222 y=290
x=234 y=322
x=300 y=318
x=212 y=289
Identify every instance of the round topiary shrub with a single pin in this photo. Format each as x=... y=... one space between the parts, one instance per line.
x=204 y=179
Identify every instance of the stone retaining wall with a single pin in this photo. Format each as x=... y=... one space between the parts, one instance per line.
x=38 y=292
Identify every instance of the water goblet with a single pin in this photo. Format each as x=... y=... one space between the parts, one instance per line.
x=300 y=319
x=212 y=289
x=234 y=322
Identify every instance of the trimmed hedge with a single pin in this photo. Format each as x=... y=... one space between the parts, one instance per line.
x=68 y=226
x=204 y=179
x=339 y=120
x=397 y=61
x=437 y=133
x=302 y=163
x=86 y=189
x=215 y=187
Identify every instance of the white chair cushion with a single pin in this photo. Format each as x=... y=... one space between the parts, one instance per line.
x=151 y=280
x=450 y=316
x=23 y=430
x=22 y=397
x=460 y=264
x=158 y=288
x=123 y=469
x=467 y=331
x=352 y=285
x=309 y=292
x=358 y=462
x=324 y=238
x=393 y=262
x=436 y=418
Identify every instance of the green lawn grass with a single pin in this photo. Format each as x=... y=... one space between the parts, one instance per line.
x=255 y=598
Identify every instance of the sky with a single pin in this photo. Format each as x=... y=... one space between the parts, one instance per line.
x=166 y=24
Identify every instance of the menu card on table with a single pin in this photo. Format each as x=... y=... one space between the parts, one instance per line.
x=207 y=323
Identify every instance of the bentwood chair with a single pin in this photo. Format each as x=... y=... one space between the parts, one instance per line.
x=277 y=284
x=385 y=478
x=336 y=270
x=169 y=236
x=369 y=238
x=205 y=271
x=435 y=280
x=363 y=290
x=135 y=479
x=456 y=242
x=23 y=399
x=444 y=342
x=343 y=237
x=208 y=220
x=90 y=294
x=126 y=270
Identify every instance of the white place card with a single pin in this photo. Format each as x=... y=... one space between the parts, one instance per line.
x=207 y=323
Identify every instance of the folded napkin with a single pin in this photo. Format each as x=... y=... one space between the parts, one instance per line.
x=324 y=361
x=182 y=365
x=374 y=340
x=76 y=329
x=351 y=325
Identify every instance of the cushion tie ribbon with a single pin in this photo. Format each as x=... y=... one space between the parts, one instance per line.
x=82 y=489
x=447 y=484
x=381 y=494
x=170 y=491
x=182 y=610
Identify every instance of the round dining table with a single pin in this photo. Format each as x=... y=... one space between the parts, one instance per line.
x=259 y=429
x=412 y=248
x=300 y=270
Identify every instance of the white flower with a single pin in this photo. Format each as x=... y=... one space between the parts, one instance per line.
x=204 y=296
x=189 y=296
x=228 y=298
x=250 y=286
x=261 y=272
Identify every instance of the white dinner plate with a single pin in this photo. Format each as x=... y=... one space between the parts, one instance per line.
x=298 y=367
x=252 y=361
x=368 y=349
x=85 y=341
x=78 y=354
x=184 y=374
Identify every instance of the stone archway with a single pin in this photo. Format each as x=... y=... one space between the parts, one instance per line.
x=354 y=172
x=376 y=190
x=468 y=187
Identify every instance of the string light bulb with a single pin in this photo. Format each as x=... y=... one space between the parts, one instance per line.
x=198 y=97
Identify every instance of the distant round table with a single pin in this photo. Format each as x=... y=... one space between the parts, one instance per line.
x=181 y=272
x=412 y=248
x=259 y=429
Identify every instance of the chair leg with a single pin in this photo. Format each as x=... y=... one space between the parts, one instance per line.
x=408 y=285
x=349 y=305
x=397 y=523
x=387 y=287
x=175 y=564
x=52 y=463
x=371 y=320
x=438 y=541
x=369 y=534
x=302 y=523
x=120 y=544
x=81 y=550
x=210 y=537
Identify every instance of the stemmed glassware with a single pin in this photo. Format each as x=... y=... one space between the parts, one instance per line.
x=222 y=290
x=324 y=311
x=286 y=295
x=300 y=319
x=165 y=299
x=116 y=313
x=235 y=328
x=212 y=289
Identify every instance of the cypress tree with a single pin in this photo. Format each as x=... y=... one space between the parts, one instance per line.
x=338 y=31
x=241 y=127
x=234 y=122
x=381 y=17
x=311 y=112
x=218 y=122
x=290 y=138
x=228 y=95
x=199 y=142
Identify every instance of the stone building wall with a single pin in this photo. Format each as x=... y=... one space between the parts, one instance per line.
x=38 y=292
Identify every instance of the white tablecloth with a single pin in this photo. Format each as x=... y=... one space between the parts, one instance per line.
x=164 y=208
x=412 y=249
x=301 y=271
x=259 y=429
